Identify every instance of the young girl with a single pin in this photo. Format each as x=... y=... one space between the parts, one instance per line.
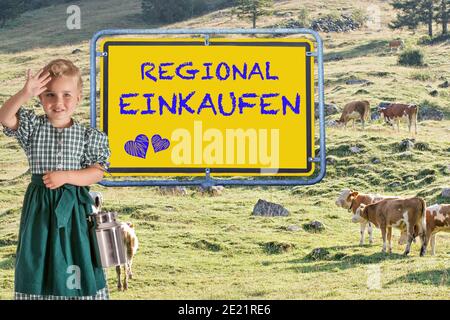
x=54 y=259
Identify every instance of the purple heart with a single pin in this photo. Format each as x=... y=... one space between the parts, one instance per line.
x=138 y=147
x=159 y=144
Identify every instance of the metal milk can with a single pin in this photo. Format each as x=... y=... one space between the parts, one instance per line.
x=106 y=235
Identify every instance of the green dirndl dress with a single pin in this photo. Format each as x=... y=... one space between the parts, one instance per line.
x=54 y=256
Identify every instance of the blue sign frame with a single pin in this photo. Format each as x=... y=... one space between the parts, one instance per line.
x=208 y=180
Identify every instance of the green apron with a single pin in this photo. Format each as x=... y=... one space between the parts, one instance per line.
x=54 y=255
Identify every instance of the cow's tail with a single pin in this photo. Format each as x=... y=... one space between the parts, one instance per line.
x=368 y=115
x=417 y=113
x=423 y=216
x=423 y=226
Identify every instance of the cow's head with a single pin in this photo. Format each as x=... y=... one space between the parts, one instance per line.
x=403 y=238
x=340 y=122
x=359 y=214
x=381 y=110
x=345 y=199
x=413 y=107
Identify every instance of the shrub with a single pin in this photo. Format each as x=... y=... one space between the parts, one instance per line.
x=334 y=15
x=422 y=146
x=359 y=16
x=425 y=172
x=303 y=17
x=8 y=240
x=429 y=104
x=411 y=57
x=440 y=38
x=9 y=10
x=425 y=39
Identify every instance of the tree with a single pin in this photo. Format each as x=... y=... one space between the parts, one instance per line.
x=36 y=4
x=444 y=14
x=413 y=13
x=10 y=9
x=253 y=9
x=428 y=8
x=166 y=10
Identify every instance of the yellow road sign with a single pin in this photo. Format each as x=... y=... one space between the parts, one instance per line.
x=178 y=106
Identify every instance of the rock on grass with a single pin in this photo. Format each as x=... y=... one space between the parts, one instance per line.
x=269 y=209
x=324 y=254
x=275 y=247
x=406 y=144
x=172 y=190
x=318 y=254
x=314 y=226
x=446 y=193
x=207 y=245
x=293 y=228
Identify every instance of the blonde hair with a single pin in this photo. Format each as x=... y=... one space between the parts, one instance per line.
x=63 y=67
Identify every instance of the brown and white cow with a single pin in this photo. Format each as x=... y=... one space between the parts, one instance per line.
x=438 y=219
x=396 y=44
x=406 y=214
x=351 y=200
x=353 y=111
x=396 y=111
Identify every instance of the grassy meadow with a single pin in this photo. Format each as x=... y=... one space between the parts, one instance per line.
x=201 y=247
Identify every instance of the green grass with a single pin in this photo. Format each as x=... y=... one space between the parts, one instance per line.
x=196 y=247
x=373 y=47
x=422 y=76
x=213 y=248
x=46 y=27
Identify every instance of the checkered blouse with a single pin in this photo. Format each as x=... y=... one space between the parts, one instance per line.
x=50 y=149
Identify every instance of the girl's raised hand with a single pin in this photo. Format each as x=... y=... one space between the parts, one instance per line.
x=35 y=85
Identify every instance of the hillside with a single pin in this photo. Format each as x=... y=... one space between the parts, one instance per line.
x=197 y=247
